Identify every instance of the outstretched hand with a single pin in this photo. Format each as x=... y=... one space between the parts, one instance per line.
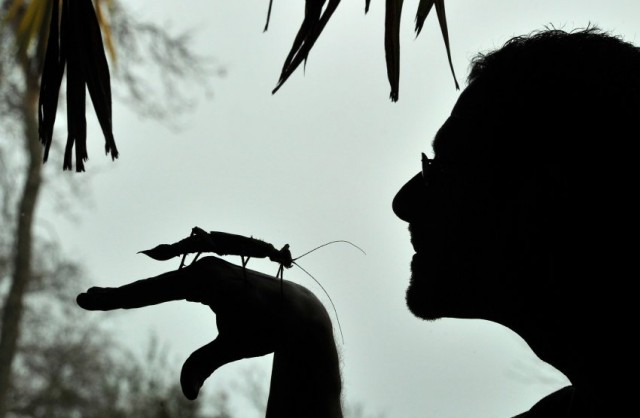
x=256 y=314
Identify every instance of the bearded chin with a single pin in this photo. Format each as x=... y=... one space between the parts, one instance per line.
x=418 y=293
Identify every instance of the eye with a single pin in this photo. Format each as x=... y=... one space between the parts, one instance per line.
x=432 y=169
x=428 y=167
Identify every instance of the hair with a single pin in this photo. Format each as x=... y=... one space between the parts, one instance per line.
x=553 y=63
x=583 y=83
x=577 y=95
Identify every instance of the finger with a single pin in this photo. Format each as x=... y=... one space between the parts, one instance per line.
x=175 y=285
x=210 y=281
x=207 y=359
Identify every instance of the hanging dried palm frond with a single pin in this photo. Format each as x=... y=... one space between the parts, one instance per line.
x=392 y=44
x=423 y=11
x=392 y=37
x=75 y=41
x=29 y=24
x=315 y=19
x=266 y=26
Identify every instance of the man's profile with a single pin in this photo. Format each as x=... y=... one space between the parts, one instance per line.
x=520 y=216
x=523 y=217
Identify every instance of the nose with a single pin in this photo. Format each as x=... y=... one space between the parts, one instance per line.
x=411 y=199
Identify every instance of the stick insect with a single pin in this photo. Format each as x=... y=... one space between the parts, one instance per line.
x=223 y=243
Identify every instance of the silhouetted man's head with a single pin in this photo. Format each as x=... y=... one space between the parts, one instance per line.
x=530 y=183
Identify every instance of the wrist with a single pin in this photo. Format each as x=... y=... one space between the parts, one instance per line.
x=305 y=379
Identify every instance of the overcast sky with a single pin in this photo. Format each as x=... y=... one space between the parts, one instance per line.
x=319 y=161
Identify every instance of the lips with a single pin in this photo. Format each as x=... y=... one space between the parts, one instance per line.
x=413 y=236
x=432 y=251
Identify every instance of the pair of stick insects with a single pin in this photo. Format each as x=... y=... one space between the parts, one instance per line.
x=223 y=243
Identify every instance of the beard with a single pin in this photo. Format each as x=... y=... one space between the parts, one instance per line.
x=420 y=294
x=442 y=285
x=426 y=293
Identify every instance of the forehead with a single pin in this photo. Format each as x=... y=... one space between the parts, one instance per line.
x=468 y=132
x=461 y=139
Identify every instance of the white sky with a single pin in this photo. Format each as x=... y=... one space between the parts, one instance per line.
x=321 y=160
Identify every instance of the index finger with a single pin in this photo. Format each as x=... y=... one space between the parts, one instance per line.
x=186 y=283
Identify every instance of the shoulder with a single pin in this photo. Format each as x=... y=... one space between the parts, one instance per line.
x=555 y=405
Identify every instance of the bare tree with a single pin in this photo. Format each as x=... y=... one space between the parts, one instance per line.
x=24 y=28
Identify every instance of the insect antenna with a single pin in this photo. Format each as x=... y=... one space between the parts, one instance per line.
x=326 y=293
x=184 y=256
x=324 y=245
x=319 y=284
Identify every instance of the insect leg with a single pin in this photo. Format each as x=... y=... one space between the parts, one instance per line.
x=280 y=275
x=196 y=257
x=184 y=256
x=244 y=265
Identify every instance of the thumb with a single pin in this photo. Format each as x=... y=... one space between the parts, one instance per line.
x=203 y=362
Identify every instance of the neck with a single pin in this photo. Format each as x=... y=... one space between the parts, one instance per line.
x=588 y=359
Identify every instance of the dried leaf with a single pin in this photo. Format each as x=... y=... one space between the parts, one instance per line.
x=52 y=73
x=266 y=25
x=29 y=24
x=312 y=26
x=392 y=37
x=392 y=45
x=13 y=9
x=76 y=91
x=423 y=11
x=312 y=15
x=75 y=41
x=97 y=75
x=106 y=32
x=442 y=18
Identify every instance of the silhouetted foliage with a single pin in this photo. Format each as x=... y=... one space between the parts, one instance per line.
x=76 y=30
x=392 y=38
x=72 y=44
x=78 y=46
